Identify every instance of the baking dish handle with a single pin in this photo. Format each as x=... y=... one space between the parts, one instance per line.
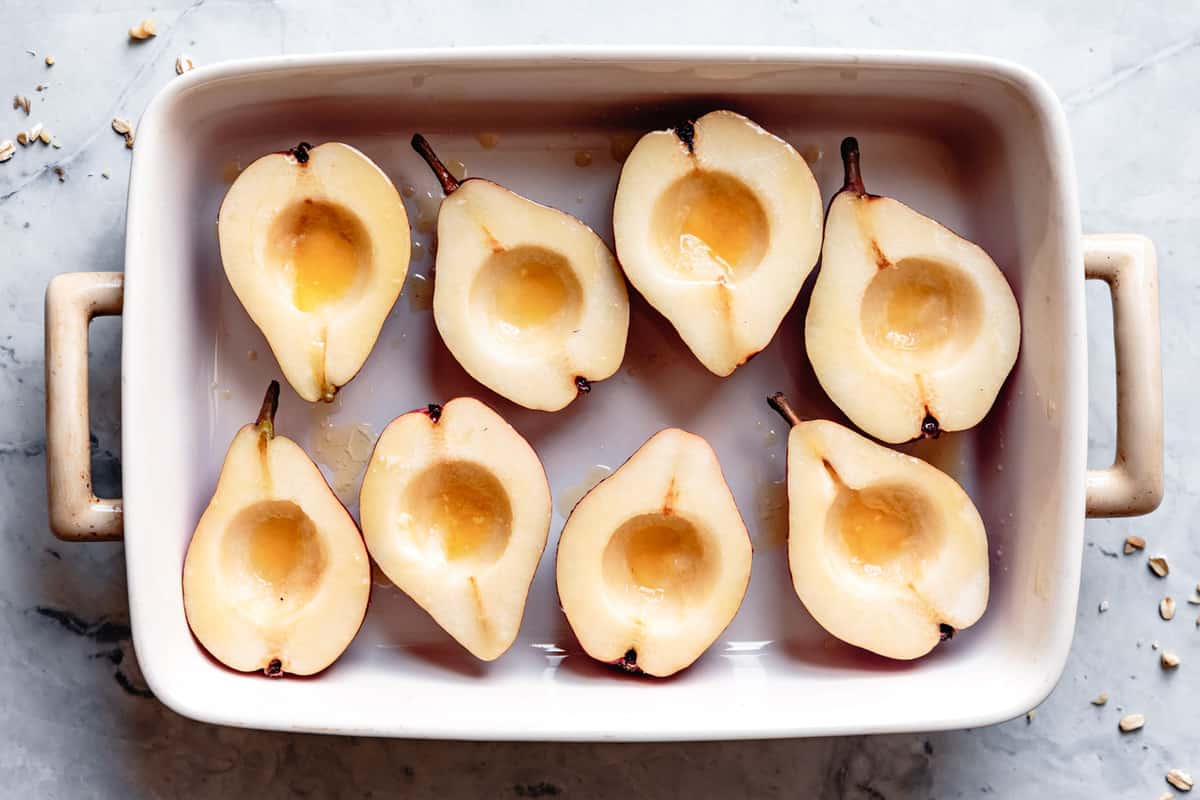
x=72 y=300
x=1134 y=483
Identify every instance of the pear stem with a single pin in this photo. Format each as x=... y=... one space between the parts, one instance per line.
x=853 y=181
x=266 y=415
x=783 y=407
x=425 y=150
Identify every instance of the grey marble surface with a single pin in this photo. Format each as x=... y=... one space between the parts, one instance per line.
x=74 y=720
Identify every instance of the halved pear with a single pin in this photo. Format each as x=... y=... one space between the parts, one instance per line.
x=315 y=244
x=455 y=509
x=717 y=224
x=527 y=298
x=887 y=552
x=276 y=577
x=912 y=329
x=653 y=562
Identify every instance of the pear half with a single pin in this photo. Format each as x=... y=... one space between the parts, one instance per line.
x=455 y=509
x=276 y=576
x=912 y=329
x=887 y=552
x=315 y=244
x=717 y=224
x=653 y=562
x=528 y=299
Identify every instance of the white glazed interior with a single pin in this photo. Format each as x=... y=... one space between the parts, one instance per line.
x=979 y=145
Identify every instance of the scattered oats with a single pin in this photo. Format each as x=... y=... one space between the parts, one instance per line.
x=1131 y=722
x=184 y=64
x=35 y=132
x=1194 y=597
x=1100 y=699
x=22 y=102
x=1166 y=608
x=105 y=174
x=1167 y=796
x=1134 y=543
x=129 y=140
x=61 y=173
x=49 y=61
x=1158 y=565
x=44 y=136
x=1180 y=780
x=1154 y=645
x=1169 y=660
x=41 y=87
x=1030 y=714
x=1103 y=606
x=23 y=138
x=7 y=148
x=143 y=30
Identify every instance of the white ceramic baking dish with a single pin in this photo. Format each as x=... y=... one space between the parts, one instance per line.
x=979 y=144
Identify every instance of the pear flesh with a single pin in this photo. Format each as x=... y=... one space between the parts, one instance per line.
x=653 y=562
x=528 y=299
x=455 y=509
x=887 y=552
x=315 y=243
x=911 y=330
x=276 y=577
x=718 y=223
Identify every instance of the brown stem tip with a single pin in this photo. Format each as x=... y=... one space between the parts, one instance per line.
x=425 y=150
x=300 y=152
x=628 y=662
x=686 y=133
x=930 y=427
x=783 y=407
x=266 y=415
x=852 y=170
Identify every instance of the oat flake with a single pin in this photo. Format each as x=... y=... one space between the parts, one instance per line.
x=143 y=30
x=1180 y=780
x=1166 y=608
x=1131 y=722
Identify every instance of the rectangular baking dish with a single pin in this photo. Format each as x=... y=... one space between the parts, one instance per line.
x=980 y=145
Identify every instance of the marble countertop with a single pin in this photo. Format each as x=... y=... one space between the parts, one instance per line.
x=75 y=720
